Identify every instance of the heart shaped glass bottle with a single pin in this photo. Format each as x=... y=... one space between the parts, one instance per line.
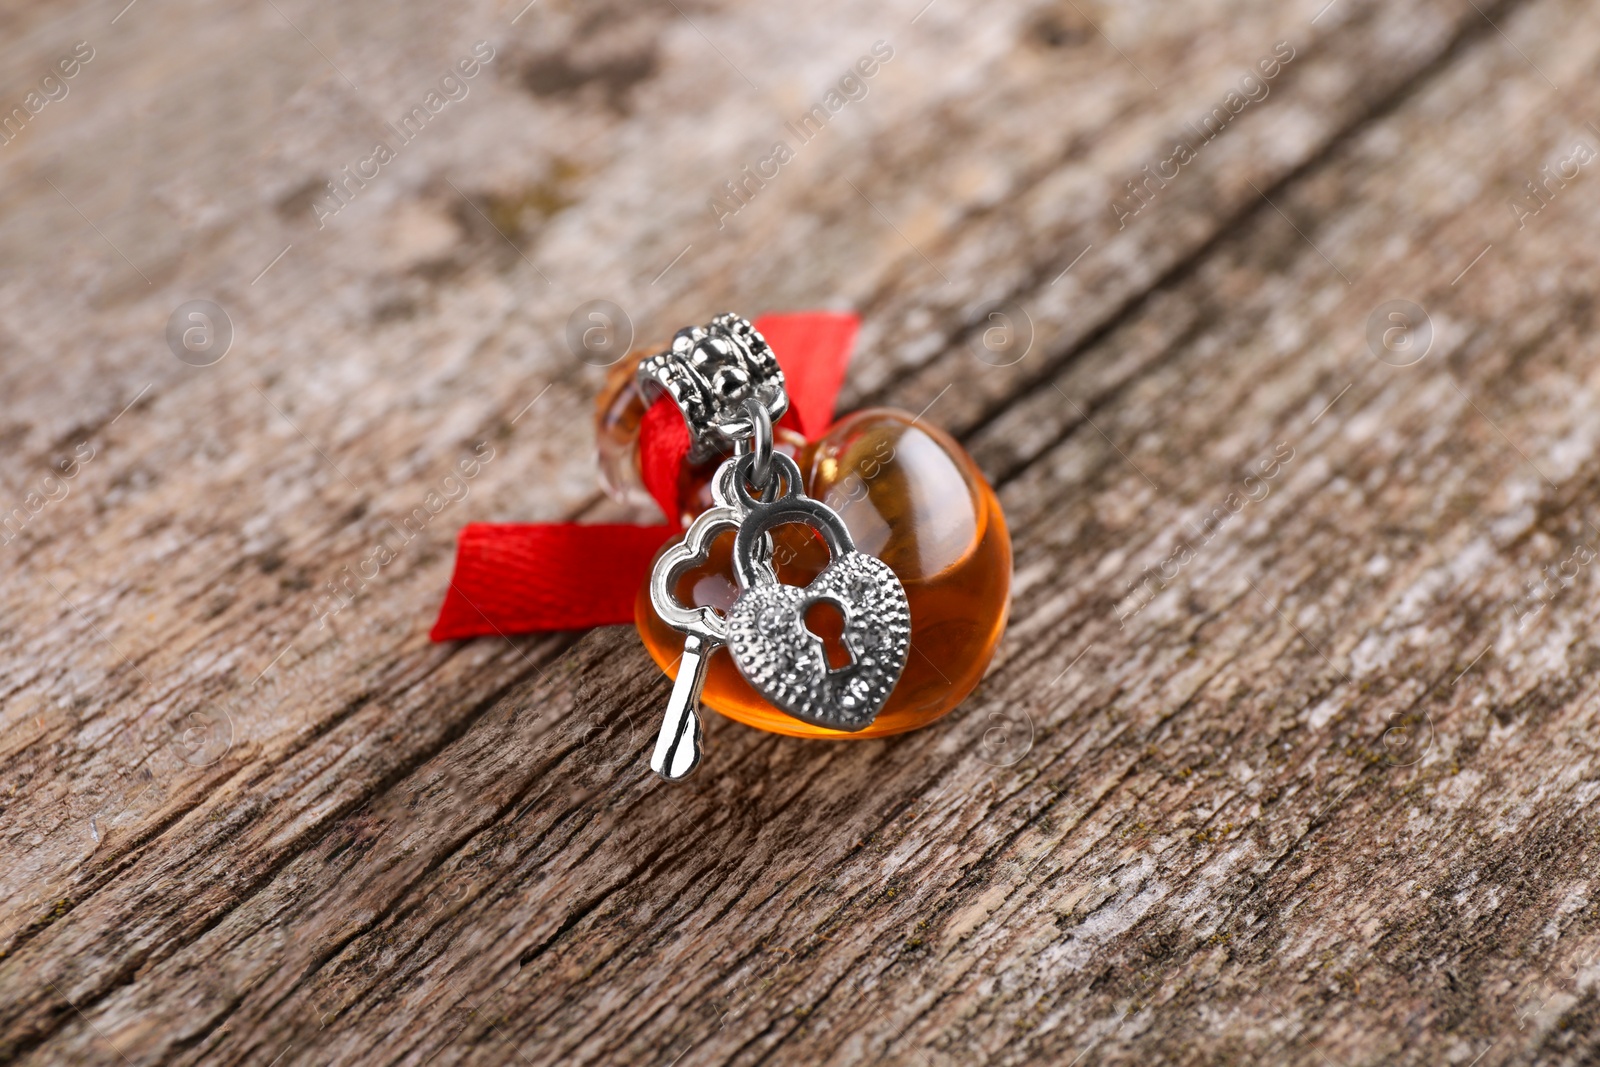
x=909 y=495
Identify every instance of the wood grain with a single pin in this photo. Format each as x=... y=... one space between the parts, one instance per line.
x=1326 y=795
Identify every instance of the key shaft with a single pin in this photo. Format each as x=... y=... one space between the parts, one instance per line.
x=679 y=746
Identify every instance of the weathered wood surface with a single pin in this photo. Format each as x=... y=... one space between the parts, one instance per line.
x=1328 y=797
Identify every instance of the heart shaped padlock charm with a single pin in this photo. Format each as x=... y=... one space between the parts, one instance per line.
x=783 y=660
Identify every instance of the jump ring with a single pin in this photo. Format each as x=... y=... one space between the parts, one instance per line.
x=761 y=442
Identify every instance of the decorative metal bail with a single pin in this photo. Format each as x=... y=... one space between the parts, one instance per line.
x=710 y=372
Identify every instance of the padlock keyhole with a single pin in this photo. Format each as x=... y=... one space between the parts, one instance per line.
x=825 y=619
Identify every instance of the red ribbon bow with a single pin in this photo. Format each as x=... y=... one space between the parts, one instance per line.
x=524 y=577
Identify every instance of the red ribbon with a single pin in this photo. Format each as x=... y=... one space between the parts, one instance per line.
x=524 y=577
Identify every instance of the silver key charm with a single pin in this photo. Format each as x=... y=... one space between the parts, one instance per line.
x=678 y=746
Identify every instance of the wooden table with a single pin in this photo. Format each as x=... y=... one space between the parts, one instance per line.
x=1321 y=792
